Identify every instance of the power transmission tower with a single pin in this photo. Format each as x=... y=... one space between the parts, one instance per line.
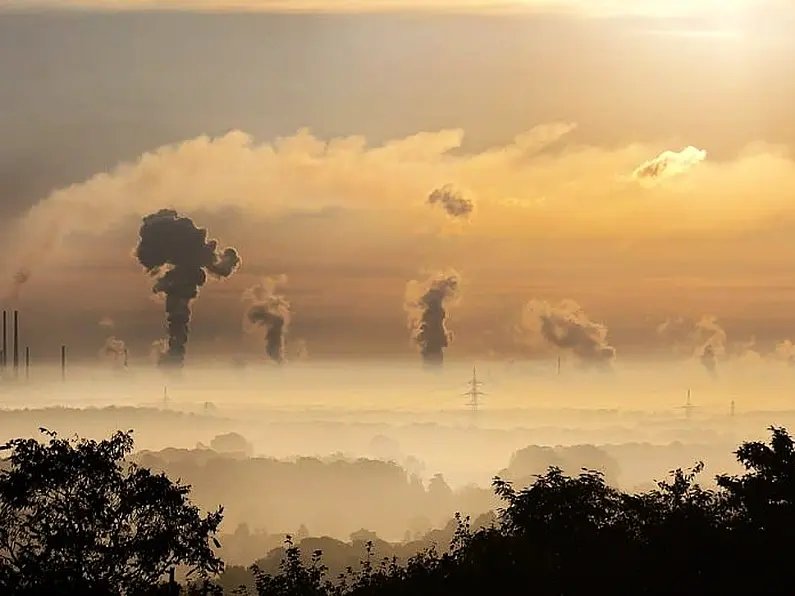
x=474 y=394
x=688 y=407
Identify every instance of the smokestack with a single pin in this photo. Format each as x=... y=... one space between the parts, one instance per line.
x=16 y=343
x=126 y=357
x=4 y=357
x=27 y=363
x=63 y=363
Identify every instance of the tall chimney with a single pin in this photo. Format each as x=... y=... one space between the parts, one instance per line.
x=63 y=363
x=27 y=363
x=16 y=343
x=4 y=356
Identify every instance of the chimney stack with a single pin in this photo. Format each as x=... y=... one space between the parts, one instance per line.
x=4 y=356
x=63 y=363
x=27 y=363
x=16 y=343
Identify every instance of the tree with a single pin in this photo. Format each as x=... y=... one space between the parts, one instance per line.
x=76 y=519
x=231 y=443
x=295 y=578
x=768 y=488
x=763 y=505
x=578 y=535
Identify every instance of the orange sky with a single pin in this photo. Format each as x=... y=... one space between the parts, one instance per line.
x=548 y=137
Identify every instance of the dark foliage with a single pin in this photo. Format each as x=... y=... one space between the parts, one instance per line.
x=567 y=535
x=561 y=535
x=75 y=519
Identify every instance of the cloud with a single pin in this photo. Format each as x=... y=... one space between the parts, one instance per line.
x=669 y=163
x=587 y=191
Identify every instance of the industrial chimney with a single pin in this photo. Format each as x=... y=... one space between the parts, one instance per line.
x=27 y=363
x=16 y=343
x=63 y=363
x=4 y=356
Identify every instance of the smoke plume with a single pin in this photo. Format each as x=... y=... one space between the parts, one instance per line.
x=785 y=351
x=427 y=316
x=19 y=279
x=179 y=255
x=158 y=350
x=115 y=350
x=301 y=350
x=454 y=203
x=709 y=360
x=272 y=311
x=669 y=163
x=566 y=326
x=704 y=339
x=745 y=352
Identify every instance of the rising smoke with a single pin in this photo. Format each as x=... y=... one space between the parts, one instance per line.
x=427 y=316
x=704 y=340
x=785 y=351
x=566 y=326
x=114 y=350
x=19 y=279
x=688 y=336
x=669 y=163
x=180 y=256
x=453 y=201
x=301 y=350
x=158 y=350
x=271 y=311
x=709 y=360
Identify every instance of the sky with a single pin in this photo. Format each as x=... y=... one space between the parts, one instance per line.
x=589 y=8
x=310 y=142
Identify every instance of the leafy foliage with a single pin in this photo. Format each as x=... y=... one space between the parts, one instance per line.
x=75 y=519
x=577 y=535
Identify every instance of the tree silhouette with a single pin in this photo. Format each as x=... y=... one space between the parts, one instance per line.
x=579 y=536
x=76 y=519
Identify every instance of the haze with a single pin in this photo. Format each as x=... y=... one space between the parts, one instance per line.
x=595 y=213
